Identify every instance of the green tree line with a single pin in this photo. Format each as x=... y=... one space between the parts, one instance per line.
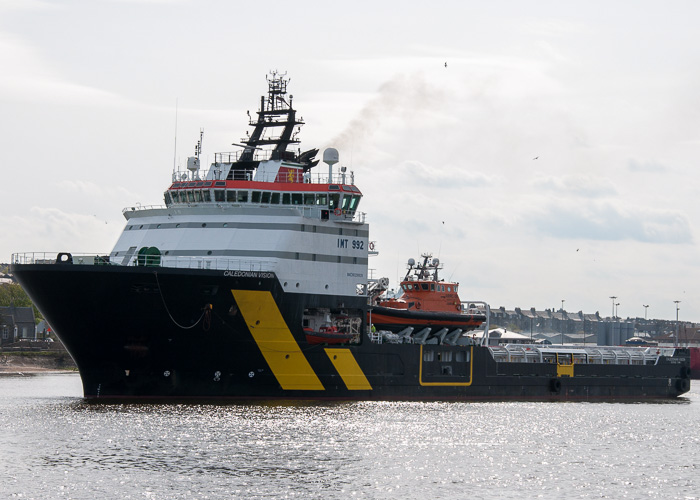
x=12 y=293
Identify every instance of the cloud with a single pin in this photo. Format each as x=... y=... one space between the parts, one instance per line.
x=447 y=177
x=27 y=76
x=26 y=5
x=647 y=166
x=604 y=221
x=577 y=185
x=96 y=191
x=51 y=229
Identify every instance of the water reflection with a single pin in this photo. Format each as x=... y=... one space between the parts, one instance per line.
x=65 y=447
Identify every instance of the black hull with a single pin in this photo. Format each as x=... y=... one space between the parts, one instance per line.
x=139 y=332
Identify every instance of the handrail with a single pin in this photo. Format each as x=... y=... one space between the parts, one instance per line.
x=204 y=262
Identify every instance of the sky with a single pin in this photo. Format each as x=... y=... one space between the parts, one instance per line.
x=553 y=159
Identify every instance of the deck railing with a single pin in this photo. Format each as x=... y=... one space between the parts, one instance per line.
x=215 y=263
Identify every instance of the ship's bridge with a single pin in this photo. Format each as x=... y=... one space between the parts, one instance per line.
x=273 y=183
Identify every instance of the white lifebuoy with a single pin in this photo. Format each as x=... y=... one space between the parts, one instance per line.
x=371 y=245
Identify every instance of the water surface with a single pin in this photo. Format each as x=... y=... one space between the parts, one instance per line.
x=55 y=445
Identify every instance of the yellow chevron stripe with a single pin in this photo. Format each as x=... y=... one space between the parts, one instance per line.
x=351 y=373
x=276 y=342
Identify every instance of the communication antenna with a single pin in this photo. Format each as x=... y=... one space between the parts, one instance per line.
x=175 y=148
x=198 y=147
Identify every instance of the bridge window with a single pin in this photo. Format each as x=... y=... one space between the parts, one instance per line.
x=275 y=198
x=219 y=195
x=242 y=196
x=255 y=198
x=206 y=195
x=231 y=196
x=322 y=199
x=354 y=202
x=335 y=200
x=197 y=196
x=309 y=198
x=265 y=198
x=296 y=198
x=190 y=196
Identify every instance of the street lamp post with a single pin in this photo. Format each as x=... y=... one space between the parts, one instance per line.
x=677 y=309
x=561 y=321
x=646 y=326
x=613 y=307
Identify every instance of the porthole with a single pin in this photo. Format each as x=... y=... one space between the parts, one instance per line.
x=167 y=252
x=285 y=283
x=225 y=224
x=141 y=226
x=177 y=225
x=326 y=287
x=209 y=252
x=297 y=285
x=204 y=224
x=158 y=226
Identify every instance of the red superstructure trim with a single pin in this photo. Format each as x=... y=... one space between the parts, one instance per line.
x=295 y=187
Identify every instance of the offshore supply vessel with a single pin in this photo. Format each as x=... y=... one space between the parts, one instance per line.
x=251 y=281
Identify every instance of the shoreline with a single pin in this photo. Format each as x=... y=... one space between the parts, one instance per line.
x=31 y=372
x=23 y=363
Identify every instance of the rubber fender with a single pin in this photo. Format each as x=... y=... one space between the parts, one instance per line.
x=555 y=385
x=683 y=385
